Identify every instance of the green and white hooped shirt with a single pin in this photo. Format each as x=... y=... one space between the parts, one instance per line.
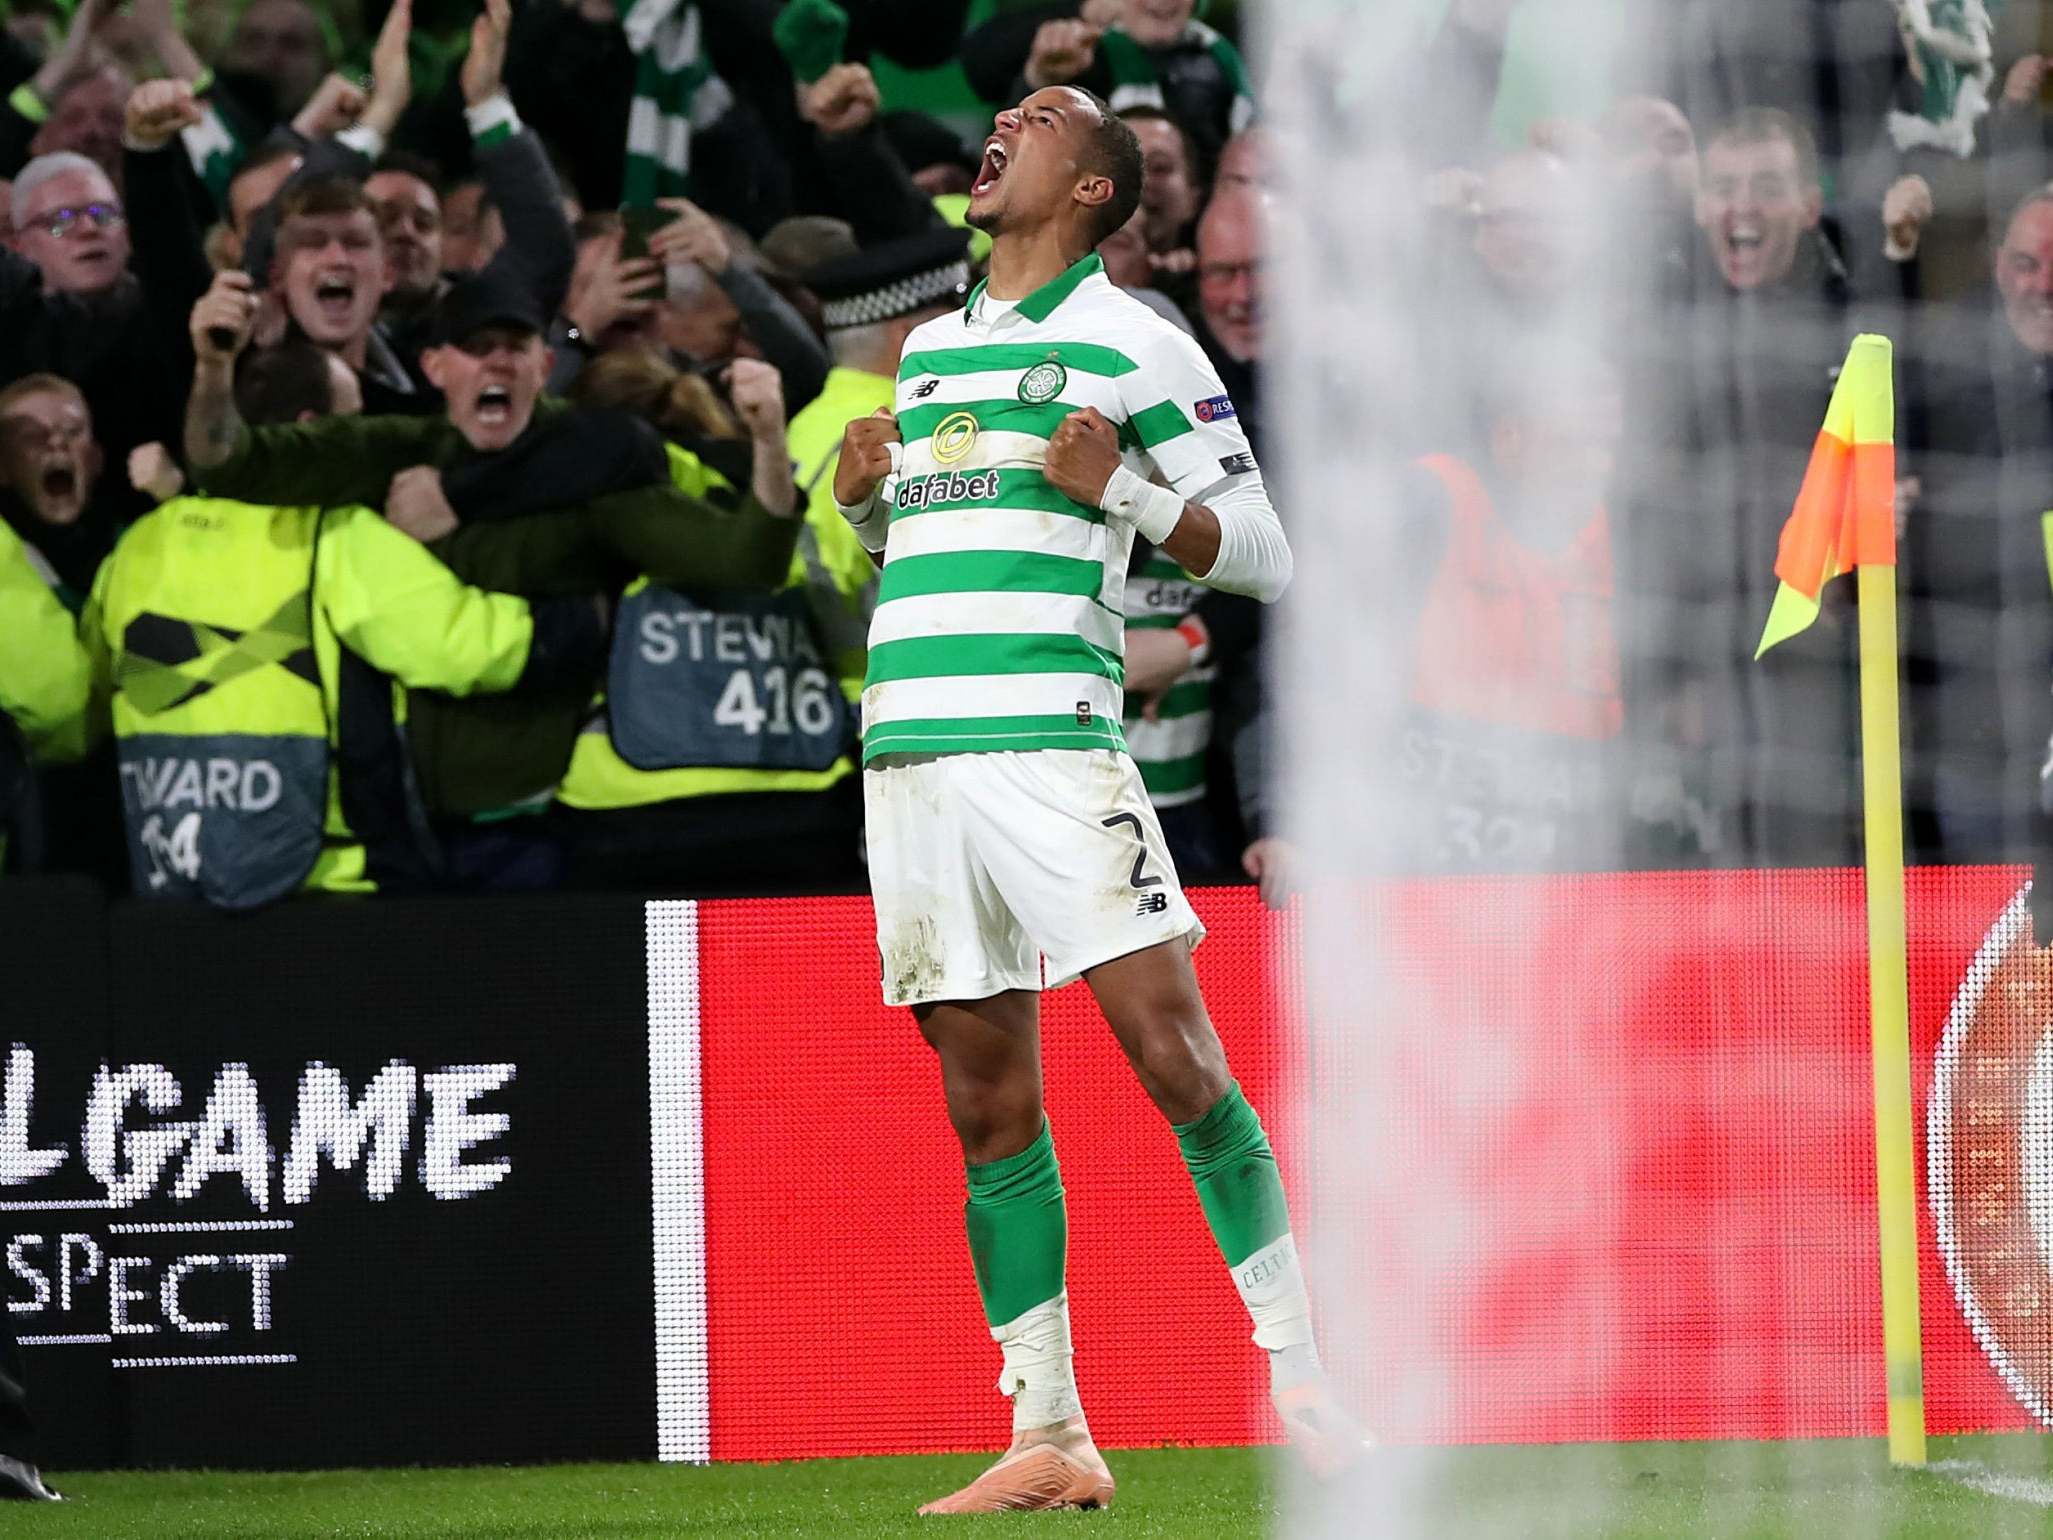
x=1170 y=751
x=1000 y=621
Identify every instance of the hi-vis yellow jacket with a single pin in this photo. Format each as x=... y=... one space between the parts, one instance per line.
x=44 y=675
x=719 y=692
x=216 y=631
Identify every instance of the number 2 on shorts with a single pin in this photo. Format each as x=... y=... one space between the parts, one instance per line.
x=1136 y=881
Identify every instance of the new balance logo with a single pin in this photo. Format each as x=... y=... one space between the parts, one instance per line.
x=1151 y=903
x=924 y=389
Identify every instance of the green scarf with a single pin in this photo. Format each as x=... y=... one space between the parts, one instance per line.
x=675 y=94
x=1948 y=41
x=1135 y=83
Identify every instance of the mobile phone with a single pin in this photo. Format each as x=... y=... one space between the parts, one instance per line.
x=636 y=226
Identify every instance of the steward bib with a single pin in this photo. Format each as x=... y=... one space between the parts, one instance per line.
x=734 y=681
x=233 y=818
x=221 y=729
x=1508 y=752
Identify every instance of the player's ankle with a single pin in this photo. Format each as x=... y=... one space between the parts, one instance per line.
x=1293 y=1366
x=1069 y=1431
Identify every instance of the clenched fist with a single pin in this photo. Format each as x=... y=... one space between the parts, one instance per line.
x=1062 y=51
x=336 y=103
x=757 y=392
x=845 y=100
x=1082 y=456
x=2021 y=86
x=222 y=319
x=157 y=110
x=865 y=457
x=1906 y=210
x=415 y=503
x=152 y=472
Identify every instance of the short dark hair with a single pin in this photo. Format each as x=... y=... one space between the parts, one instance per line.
x=1146 y=113
x=1111 y=149
x=419 y=167
x=323 y=195
x=1767 y=125
x=269 y=153
x=281 y=384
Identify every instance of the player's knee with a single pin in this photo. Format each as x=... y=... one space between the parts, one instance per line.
x=1179 y=1064
x=993 y=1122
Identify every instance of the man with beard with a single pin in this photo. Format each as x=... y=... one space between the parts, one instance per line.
x=517 y=494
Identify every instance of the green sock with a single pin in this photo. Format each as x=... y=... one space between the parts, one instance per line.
x=1242 y=1193
x=1018 y=1230
x=1235 y=1171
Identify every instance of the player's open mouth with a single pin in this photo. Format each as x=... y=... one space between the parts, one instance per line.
x=995 y=161
x=495 y=406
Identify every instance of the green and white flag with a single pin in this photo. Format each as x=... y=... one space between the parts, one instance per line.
x=1951 y=53
x=676 y=93
x=215 y=152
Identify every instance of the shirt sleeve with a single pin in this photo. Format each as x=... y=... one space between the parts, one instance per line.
x=44 y=672
x=328 y=463
x=1181 y=418
x=1184 y=425
x=407 y=615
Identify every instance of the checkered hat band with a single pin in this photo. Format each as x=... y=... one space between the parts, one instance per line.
x=895 y=299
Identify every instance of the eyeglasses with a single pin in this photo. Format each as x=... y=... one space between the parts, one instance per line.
x=104 y=216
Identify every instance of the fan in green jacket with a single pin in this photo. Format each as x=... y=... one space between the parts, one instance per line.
x=478 y=758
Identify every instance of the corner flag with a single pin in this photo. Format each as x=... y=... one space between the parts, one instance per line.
x=1845 y=521
x=1845 y=514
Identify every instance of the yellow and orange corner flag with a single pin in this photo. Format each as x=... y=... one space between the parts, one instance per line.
x=1845 y=521
x=1845 y=514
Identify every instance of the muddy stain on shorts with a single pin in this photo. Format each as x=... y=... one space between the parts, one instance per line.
x=913 y=964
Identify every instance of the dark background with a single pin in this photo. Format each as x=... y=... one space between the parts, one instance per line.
x=512 y=1325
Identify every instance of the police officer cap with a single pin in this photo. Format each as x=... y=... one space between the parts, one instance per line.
x=486 y=299
x=893 y=278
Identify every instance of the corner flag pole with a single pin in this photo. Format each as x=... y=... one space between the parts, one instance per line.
x=1845 y=520
x=1889 y=1013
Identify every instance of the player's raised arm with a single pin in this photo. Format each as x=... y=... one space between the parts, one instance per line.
x=1232 y=541
x=870 y=450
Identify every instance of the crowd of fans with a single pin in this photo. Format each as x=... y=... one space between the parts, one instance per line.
x=1643 y=244
x=394 y=399
x=578 y=295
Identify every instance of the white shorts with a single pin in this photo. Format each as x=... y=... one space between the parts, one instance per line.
x=982 y=864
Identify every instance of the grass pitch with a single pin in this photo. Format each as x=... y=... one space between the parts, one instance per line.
x=1809 y=1491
